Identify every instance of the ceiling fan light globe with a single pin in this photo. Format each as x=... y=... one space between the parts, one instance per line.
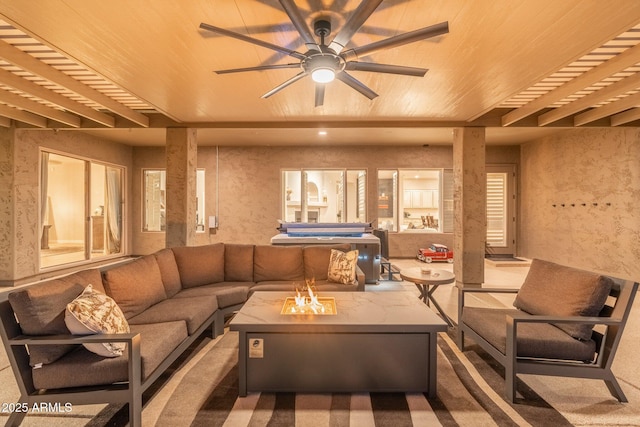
x=323 y=75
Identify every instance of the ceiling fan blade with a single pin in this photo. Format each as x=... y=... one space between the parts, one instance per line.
x=248 y=39
x=285 y=84
x=356 y=84
x=395 y=41
x=355 y=21
x=386 y=68
x=298 y=21
x=259 y=68
x=320 y=94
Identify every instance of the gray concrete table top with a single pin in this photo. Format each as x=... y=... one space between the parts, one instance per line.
x=356 y=312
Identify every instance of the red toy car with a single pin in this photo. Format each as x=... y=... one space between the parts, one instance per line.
x=435 y=252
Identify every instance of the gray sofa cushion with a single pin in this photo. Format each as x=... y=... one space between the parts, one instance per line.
x=277 y=263
x=540 y=340
x=278 y=285
x=200 y=265
x=194 y=311
x=83 y=368
x=557 y=290
x=40 y=310
x=168 y=271
x=228 y=294
x=135 y=286
x=316 y=259
x=238 y=262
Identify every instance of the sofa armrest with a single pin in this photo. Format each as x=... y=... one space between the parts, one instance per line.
x=463 y=291
x=360 y=277
x=516 y=318
x=127 y=338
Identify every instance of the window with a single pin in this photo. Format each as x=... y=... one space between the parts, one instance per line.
x=415 y=200
x=329 y=196
x=154 y=184
x=81 y=209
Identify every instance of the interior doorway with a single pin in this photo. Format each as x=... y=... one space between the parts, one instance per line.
x=501 y=210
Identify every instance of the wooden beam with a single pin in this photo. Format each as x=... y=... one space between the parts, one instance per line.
x=35 y=66
x=622 y=86
x=607 y=110
x=10 y=79
x=39 y=109
x=5 y=122
x=626 y=117
x=618 y=63
x=22 y=116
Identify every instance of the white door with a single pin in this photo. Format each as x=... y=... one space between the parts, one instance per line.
x=501 y=219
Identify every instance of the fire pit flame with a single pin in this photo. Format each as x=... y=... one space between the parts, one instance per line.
x=311 y=303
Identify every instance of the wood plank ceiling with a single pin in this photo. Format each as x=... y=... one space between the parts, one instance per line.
x=126 y=70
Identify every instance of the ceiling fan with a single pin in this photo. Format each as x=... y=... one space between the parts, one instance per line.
x=323 y=62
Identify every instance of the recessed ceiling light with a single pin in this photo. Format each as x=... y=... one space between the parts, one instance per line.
x=322 y=132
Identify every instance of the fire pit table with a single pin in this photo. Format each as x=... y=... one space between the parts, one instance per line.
x=372 y=341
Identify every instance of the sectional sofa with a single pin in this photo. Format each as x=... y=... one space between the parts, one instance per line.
x=137 y=318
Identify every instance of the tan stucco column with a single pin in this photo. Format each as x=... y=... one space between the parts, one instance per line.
x=469 y=205
x=182 y=156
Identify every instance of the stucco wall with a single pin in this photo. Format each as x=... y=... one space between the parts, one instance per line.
x=595 y=174
x=249 y=190
x=19 y=204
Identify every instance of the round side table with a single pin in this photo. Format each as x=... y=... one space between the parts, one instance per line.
x=428 y=283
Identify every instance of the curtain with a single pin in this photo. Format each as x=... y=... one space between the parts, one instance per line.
x=44 y=191
x=113 y=210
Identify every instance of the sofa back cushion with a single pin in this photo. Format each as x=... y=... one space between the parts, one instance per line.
x=40 y=310
x=556 y=290
x=135 y=286
x=169 y=271
x=316 y=259
x=200 y=265
x=277 y=263
x=238 y=262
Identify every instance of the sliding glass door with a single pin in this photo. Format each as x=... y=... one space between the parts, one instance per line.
x=81 y=209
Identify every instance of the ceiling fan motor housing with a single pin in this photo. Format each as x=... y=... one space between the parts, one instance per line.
x=322 y=28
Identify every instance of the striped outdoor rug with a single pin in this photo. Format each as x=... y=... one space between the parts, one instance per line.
x=203 y=391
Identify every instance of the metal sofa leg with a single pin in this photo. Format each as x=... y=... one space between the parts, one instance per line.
x=615 y=389
x=460 y=334
x=510 y=360
x=16 y=417
x=218 y=324
x=460 y=338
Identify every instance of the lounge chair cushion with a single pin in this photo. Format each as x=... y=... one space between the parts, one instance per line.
x=136 y=286
x=538 y=340
x=556 y=290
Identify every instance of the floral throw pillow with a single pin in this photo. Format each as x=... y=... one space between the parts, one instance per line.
x=342 y=267
x=93 y=312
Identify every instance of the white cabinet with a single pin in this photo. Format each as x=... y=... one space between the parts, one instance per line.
x=420 y=199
